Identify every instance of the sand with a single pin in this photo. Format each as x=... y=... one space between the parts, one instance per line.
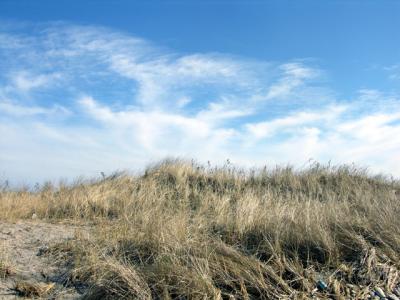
x=23 y=251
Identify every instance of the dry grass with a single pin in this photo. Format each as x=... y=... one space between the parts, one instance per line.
x=185 y=231
x=32 y=289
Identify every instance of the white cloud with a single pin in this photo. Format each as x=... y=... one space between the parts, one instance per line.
x=336 y=135
x=169 y=74
x=9 y=108
x=144 y=103
x=24 y=81
x=295 y=74
x=183 y=101
x=219 y=112
x=154 y=130
x=293 y=121
x=8 y=41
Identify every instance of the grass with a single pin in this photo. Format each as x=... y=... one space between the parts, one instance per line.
x=31 y=289
x=185 y=231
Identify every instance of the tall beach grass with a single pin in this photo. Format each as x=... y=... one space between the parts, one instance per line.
x=185 y=231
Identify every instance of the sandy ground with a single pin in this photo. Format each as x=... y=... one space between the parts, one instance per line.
x=23 y=247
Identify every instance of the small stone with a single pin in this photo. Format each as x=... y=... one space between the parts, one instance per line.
x=392 y=297
x=379 y=292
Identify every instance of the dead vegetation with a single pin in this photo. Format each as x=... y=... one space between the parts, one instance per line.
x=184 y=231
x=33 y=289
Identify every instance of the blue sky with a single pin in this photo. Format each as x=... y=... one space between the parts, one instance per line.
x=104 y=85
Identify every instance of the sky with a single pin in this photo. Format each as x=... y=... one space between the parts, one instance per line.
x=99 y=86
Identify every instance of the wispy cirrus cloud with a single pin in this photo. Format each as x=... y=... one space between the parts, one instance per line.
x=294 y=121
x=294 y=75
x=101 y=100
x=18 y=110
x=24 y=82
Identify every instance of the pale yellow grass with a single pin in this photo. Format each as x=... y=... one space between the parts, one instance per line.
x=185 y=231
